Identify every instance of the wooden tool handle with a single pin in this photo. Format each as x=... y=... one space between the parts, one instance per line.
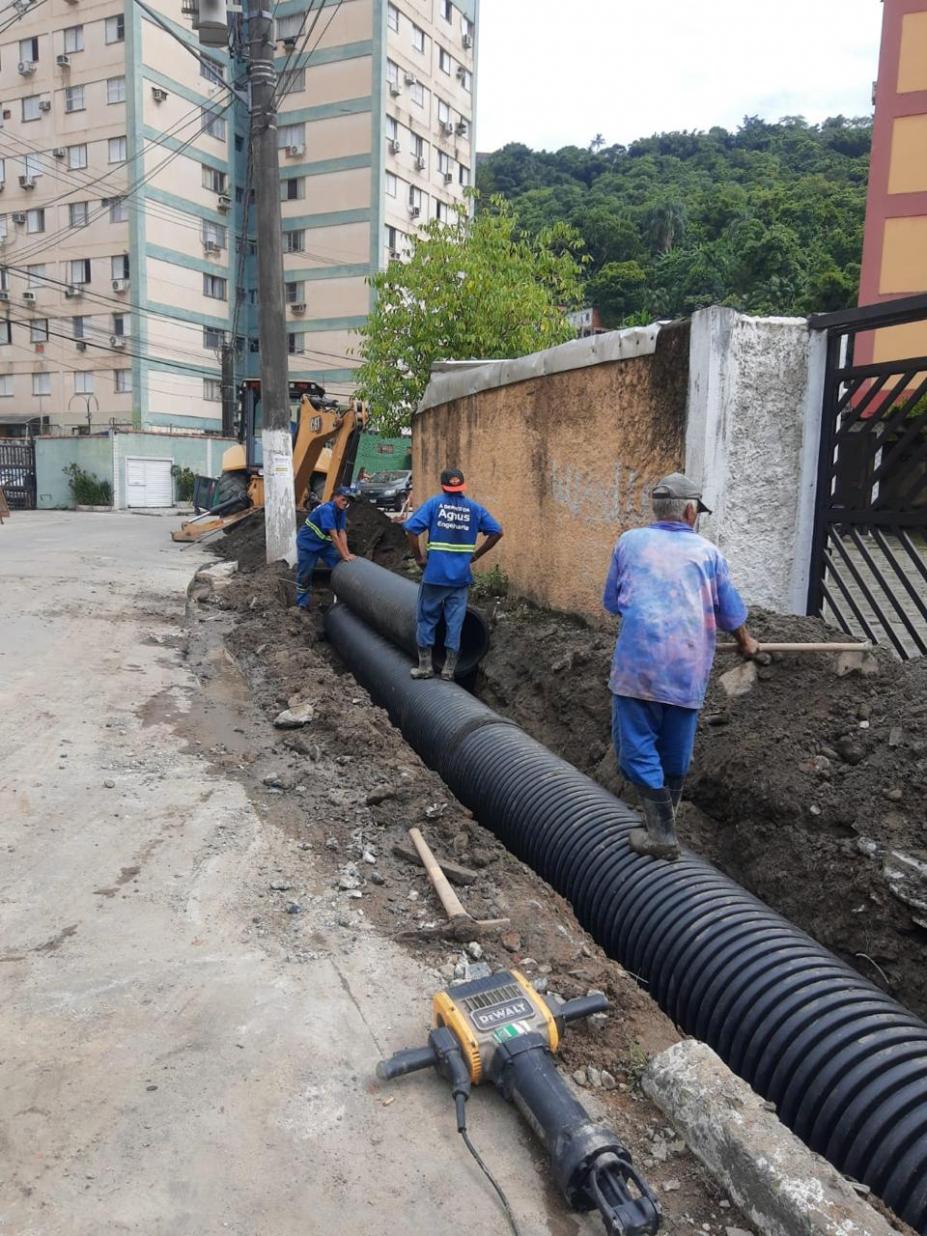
x=452 y=904
x=802 y=647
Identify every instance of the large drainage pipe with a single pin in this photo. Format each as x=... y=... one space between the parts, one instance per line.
x=387 y=602
x=845 y=1064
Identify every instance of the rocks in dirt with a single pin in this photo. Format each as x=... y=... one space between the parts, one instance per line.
x=293 y=907
x=331 y=843
x=511 y=941
x=475 y=949
x=379 y=794
x=850 y=750
x=855 y=663
x=294 y=718
x=376 y=877
x=109 y=783
x=597 y=1021
x=907 y=879
x=608 y=1080
x=670 y=1186
x=593 y=1076
x=540 y=984
x=579 y=1076
x=280 y=886
x=895 y=736
x=368 y=856
x=349 y=878
x=894 y=794
x=281 y=780
x=736 y=1231
x=739 y=680
x=218 y=570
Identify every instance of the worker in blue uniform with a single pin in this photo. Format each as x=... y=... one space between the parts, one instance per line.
x=324 y=535
x=453 y=523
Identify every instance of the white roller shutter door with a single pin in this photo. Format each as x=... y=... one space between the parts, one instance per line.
x=149 y=482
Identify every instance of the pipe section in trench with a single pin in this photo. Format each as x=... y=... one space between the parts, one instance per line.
x=388 y=603
x=845 y=1065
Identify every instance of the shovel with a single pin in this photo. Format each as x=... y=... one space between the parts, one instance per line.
x=462 y=925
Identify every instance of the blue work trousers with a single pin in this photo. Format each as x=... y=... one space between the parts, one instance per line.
x=434 y=603
x=309 y=550
x=653 y=741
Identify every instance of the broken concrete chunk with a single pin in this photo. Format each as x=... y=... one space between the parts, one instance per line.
x=219 y=570
x=739 y=680
x=294 y=718
x=907 y=879
x=856 y=663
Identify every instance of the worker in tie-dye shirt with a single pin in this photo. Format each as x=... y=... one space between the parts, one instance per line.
x=673 y=590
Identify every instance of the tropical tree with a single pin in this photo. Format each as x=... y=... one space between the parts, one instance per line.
x=471 y=287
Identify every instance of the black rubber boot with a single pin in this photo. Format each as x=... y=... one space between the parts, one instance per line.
x=674 y=785
x=424 y=669
x=658 y=836
x=449 y=668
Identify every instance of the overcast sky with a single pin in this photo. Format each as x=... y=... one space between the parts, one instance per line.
x=556 y=72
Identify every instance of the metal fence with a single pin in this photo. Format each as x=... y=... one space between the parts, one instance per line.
x=17 y=472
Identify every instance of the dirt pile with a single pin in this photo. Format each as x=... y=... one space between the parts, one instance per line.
x=809 y=790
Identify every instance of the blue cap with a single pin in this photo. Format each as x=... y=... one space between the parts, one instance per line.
x=343 y=492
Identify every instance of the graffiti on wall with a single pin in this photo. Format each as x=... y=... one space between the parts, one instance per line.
x=623 y=500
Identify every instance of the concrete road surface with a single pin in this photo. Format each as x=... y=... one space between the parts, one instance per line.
x=166 y=1067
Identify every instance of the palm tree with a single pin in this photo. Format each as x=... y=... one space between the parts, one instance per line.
x=597 y=143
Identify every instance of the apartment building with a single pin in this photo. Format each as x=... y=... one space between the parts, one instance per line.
x=126 y=239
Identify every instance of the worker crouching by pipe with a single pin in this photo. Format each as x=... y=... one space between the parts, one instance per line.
x=673 y=591
x=453 y=523
x=323 y=536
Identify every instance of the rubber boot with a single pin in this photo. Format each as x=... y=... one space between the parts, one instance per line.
x=424 y=669
x=658 y=836
x=449 y=668
x=674 y=784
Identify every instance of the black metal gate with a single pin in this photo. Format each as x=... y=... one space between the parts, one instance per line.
x=17 y=472
x=869 y=552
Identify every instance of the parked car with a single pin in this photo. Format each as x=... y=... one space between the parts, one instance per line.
x=387 y=490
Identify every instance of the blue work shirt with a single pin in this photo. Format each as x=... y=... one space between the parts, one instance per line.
x=673 y=590
x=453 y=523
x=325 y=520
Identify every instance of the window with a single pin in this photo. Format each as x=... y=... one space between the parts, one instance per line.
x=444 y=112
x=391 y=185
x=119 y=325
x=215 y=287
x=6 y=382
x=290 y=27
x=392 y=239
x=463 y=174
x=73 y=39
x=254 y=344
x=295 y=292
x=122 y=381
x=4 y=279
x=291 y=135
x=418 y=39
x=213 y=338
x=118 y=209
x=215 y=234
x=4 y=232
x=31 y=109
x=392 y=72
x=32 y=166
x=29 y=50
x=83 y=382
x=212 y=70
x=79 y=271
x=116 y=150
x=447 y=10
x=295 y=241
x=41 y=382
x=115 y=90
x=444 y=61
x=442 y=212
x=2 y=171
x=77 y=157
x=116 y=29
x=466 y=79
x=6 y=336
x=212 y=390
x=119 y=266
x=417 y=91
x=392 y=17
x=392 y=129
x=418 y=146
x=78 y=214
x=78 y=327
x=213 y=124
x=294 y=82
x=444 y=163
x=35 y=220
x=294 y=345
x=292 y=189
x=215 y=180
x=416 y=200
x=74 y=99
x=35 y=275
x=239 y=142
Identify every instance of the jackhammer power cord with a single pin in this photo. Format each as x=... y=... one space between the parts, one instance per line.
x=460 y=1103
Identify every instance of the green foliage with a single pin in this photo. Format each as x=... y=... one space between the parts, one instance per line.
x=87 y=489
x=472 y=287
x=768 y=219
x=489 y=584
x=184 y=480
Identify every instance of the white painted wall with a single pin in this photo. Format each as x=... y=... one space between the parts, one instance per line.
x=755 y=392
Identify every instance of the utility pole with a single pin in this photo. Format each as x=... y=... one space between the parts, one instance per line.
x=228 y=387
x=279 y=496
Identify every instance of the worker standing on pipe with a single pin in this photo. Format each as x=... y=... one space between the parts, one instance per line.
x=673 y=590
x=453 y=523
x=324 y=535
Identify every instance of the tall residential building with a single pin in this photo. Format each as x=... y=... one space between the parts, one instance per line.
x=895 y=245
x=127 y=243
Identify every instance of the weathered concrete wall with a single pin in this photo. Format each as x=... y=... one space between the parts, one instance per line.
x=52 y=455
x=202 y=455
x=564 y=448
x=754 y=415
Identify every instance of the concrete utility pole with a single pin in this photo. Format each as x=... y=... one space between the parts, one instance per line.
x=279 y=496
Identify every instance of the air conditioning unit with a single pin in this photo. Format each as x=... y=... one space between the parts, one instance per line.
x=118 y=342
x=120 y=285
x=224 y=203
x=210 y=246
x=72 y=291
x=447 y=126
x=26 y=182
x=4 y=294
x=394 y=253
x=26 y=67
x=420 y=163
x=394 y=145
x=44 y=105
x=80 y=344
x=462 y=127
x=448 y=178
x=59 y=152
x=414 y=212
x=409 y=79
x=468 y=40
x=29 y=298
x=298 y=306
x=395 y=89
x=461 y=73
x=293 y=152
x=63 y=60
x=158 y=93
x=19 y=216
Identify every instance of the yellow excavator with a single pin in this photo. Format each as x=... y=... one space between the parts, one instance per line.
x=324 y=447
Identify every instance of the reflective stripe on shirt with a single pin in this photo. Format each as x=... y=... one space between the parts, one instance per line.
x=448 y=548
x=323 y=536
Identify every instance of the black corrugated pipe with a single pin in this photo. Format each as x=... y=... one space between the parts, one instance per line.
x=387 y=602
x=845 y=1064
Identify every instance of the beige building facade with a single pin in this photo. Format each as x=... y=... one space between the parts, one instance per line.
x=127 y=246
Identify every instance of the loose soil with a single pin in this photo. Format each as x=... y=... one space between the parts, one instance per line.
x=809 y=790
x=370 y=535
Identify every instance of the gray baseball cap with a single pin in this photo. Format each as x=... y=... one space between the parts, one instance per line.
x=676 y=485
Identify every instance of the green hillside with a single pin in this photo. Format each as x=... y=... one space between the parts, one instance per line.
x=768 y=220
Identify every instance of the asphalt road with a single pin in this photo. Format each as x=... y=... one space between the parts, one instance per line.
x=165 y=1067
